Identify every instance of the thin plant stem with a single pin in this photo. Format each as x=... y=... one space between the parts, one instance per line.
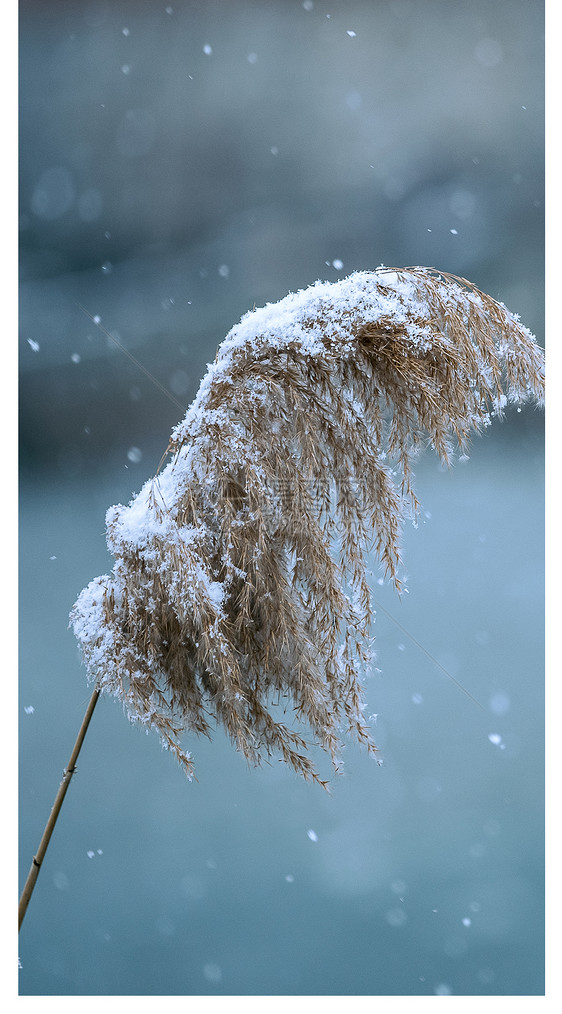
x=50 y=825
x=133 y=359
x=429 y=655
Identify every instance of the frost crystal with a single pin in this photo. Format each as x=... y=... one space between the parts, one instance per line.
x=240 y=584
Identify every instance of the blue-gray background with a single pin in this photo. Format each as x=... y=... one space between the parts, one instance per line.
x=179 y=164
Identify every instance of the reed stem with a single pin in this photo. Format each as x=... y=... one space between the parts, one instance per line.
x=50 y=825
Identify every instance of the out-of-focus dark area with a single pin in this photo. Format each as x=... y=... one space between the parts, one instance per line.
x=181 y=163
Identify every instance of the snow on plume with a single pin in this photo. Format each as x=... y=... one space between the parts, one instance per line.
x=240 y=577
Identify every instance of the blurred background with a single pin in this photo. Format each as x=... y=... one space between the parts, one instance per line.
x=180 y=164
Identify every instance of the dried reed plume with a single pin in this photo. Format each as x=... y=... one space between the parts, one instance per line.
x=240 y=578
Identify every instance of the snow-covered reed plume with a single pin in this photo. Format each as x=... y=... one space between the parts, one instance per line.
x=240 y=578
